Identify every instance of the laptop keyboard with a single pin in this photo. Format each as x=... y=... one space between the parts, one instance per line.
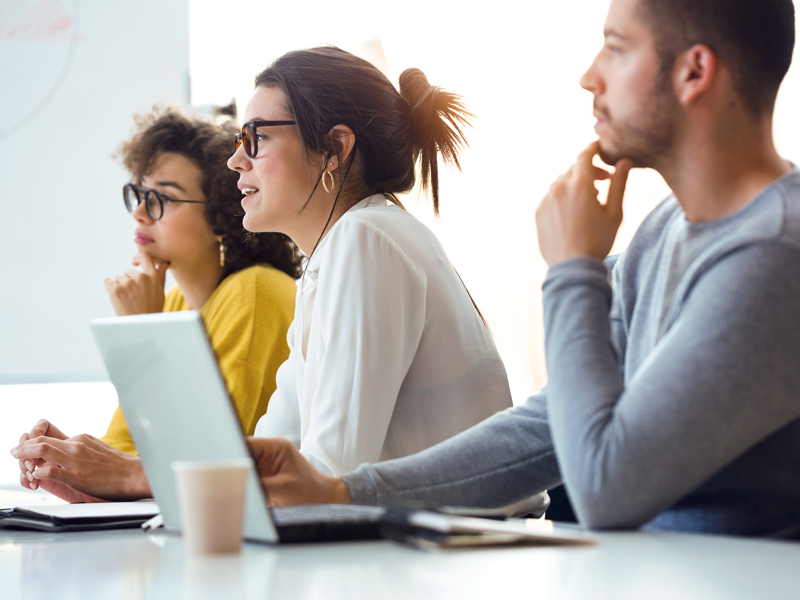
x=328 y=513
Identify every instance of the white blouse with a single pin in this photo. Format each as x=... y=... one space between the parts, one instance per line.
x=388 y=354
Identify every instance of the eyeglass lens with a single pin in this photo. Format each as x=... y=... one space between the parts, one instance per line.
x=153 y=203
x=247 y=137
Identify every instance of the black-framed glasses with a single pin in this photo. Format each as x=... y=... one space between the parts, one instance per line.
x=134 y=195
x=248 y=135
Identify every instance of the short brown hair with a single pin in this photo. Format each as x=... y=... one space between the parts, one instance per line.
x=755 y=39
x=208 y=145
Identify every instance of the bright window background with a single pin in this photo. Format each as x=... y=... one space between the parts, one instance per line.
x=517 y=66
x=74 y=408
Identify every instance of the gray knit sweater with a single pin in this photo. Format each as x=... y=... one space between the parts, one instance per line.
x=673 y=399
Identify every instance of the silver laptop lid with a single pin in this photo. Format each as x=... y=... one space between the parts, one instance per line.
x=176 y=405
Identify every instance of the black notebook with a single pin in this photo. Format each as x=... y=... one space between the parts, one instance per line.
x=78 y=517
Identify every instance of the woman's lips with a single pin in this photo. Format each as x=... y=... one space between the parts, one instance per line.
x=142 y=239
x=248 y=196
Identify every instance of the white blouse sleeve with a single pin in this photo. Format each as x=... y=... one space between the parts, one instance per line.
x=369 y=313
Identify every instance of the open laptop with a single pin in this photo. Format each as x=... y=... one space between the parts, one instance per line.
x=177 y=408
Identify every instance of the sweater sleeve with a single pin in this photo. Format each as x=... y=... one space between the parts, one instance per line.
x=722 y=378
x=502 y=460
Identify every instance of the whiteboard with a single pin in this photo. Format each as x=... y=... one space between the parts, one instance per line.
x=72 y=73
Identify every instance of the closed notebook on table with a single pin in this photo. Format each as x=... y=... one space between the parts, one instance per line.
x=78 y=517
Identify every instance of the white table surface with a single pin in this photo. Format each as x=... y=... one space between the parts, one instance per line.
x=129 y=564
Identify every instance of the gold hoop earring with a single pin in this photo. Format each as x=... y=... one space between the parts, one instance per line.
x=222 y=255
x=328 y=188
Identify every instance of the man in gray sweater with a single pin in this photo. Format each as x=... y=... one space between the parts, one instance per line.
x=673 y=399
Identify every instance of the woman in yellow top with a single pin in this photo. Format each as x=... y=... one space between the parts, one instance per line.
x=185 y=203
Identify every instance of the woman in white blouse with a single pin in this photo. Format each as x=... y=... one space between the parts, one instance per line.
x=388 y=353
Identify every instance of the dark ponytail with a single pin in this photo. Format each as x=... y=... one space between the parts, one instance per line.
x=327 y=86
x=438 y=118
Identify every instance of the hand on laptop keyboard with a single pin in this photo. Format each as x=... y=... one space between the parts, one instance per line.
x=289 y=479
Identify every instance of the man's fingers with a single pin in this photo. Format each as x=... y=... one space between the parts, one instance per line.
x=585 y=158
x=616 y=191
x=599 y=174
x=589 y=152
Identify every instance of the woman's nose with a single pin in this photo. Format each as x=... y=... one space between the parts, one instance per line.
x=239 y=161
x=140 y=213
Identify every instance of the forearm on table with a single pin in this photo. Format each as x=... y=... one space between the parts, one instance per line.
x=502 y=460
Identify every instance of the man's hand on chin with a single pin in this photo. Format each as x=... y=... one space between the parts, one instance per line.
x=570 y=221
x=288 y=478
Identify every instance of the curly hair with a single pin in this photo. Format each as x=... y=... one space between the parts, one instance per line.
x=208 y=145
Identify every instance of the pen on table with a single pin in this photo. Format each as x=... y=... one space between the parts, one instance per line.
x=154 y=523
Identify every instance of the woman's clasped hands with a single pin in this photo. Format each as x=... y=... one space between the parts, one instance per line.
x=79 y=468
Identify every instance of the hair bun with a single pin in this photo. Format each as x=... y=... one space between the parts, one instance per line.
x=421 y=96
x=438 y=118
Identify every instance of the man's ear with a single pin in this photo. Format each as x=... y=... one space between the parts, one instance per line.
x=695 y=72
x=342 y=142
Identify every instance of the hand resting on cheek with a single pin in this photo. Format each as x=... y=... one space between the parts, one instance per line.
x=138 y=292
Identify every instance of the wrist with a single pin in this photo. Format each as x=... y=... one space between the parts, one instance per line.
x=573 y=253
x=340 y=494
x=138 y=486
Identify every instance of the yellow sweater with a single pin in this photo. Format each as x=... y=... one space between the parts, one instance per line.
x=246 y=319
